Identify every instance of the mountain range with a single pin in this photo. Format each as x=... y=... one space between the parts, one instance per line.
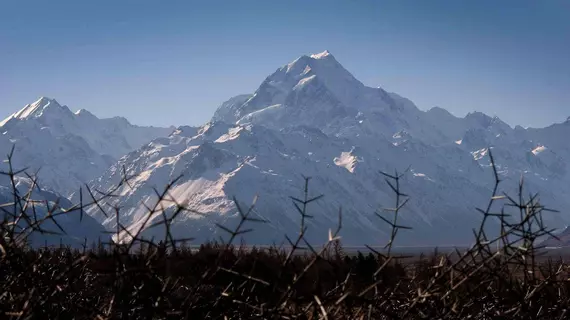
x=313 y=118
x=68 y=149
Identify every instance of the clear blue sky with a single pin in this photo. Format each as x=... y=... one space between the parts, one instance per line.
x=173 y=62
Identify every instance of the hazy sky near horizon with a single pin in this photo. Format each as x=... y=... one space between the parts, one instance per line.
x=174 y=62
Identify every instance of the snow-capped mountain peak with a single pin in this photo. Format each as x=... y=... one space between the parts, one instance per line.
x=325 y=66
x=311 y=85
x=37 y=107
x=40 y=108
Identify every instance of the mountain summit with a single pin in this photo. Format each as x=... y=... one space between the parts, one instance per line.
x=323 y=55
x=283 y=89
x=37 y=109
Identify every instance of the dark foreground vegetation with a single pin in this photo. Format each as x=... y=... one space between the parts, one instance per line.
x=499 y=277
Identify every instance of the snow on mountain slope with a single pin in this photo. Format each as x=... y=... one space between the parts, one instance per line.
x=227 y=109
x=225 y=161
x=312 y=117
x=68 y=148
